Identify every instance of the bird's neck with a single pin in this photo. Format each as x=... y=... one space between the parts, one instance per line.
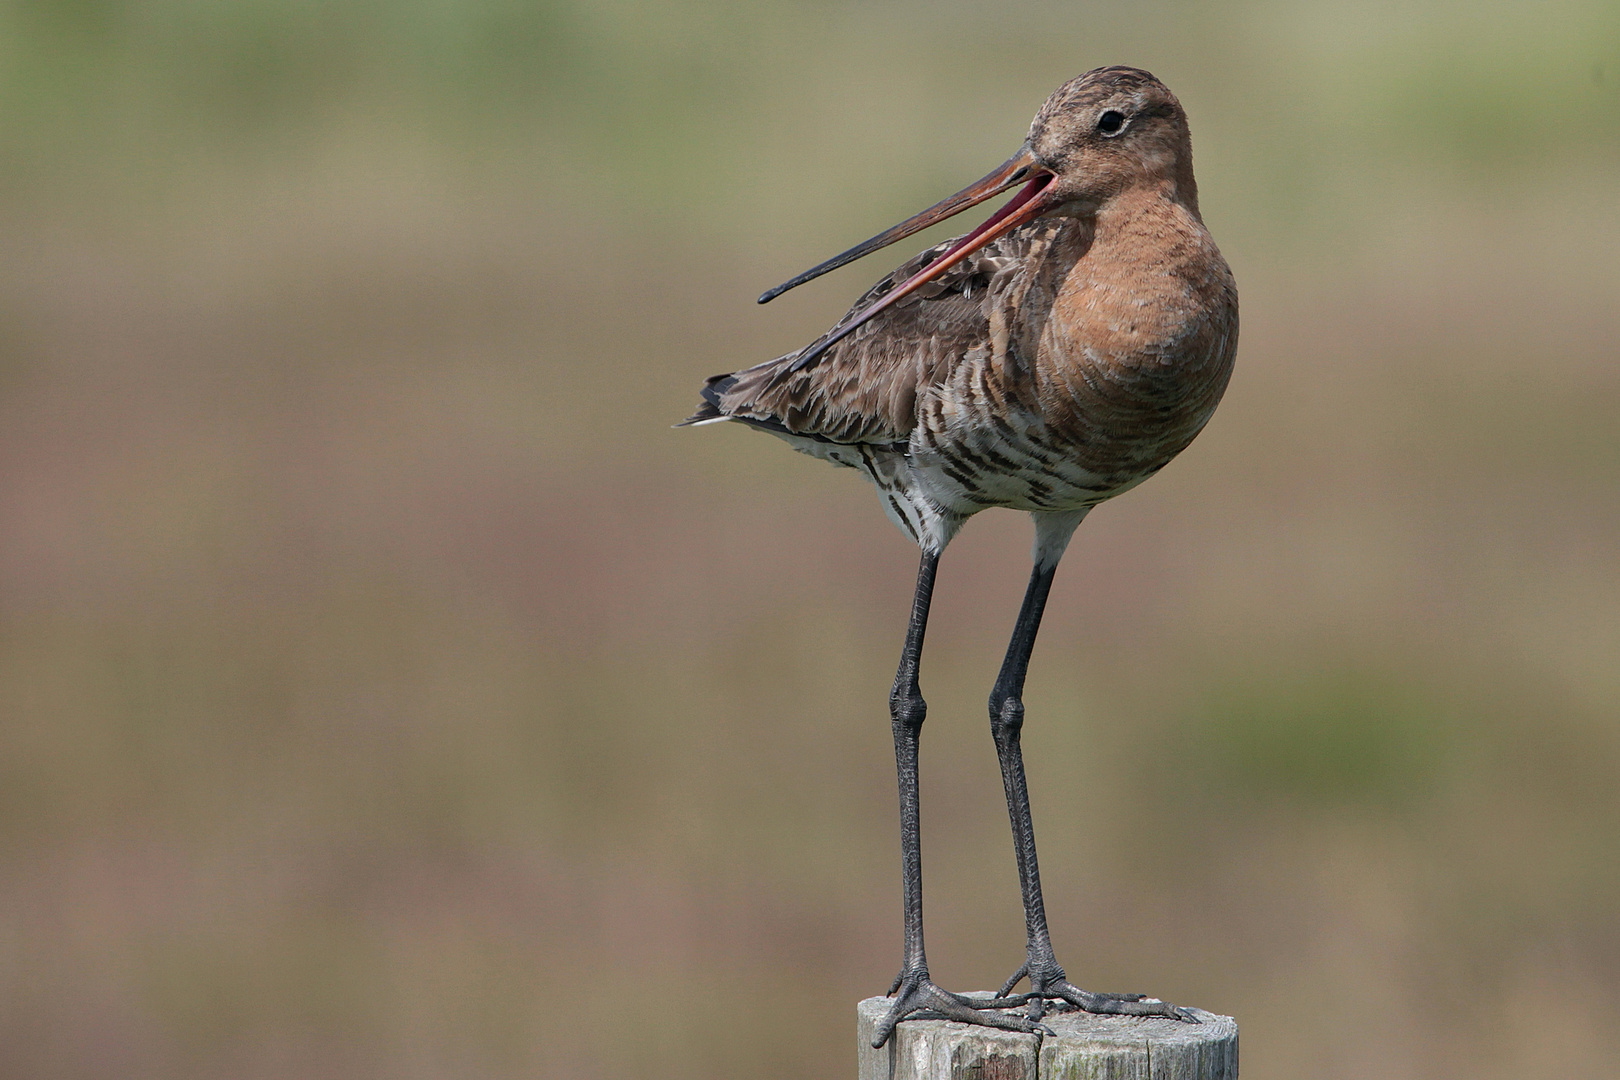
x=1144 y=212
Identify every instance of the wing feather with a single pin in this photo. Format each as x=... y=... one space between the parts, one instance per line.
x=865 y=388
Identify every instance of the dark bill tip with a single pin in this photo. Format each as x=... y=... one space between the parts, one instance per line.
x=1007 y=174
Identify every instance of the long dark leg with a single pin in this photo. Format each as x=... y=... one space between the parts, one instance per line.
x=907 y=710
x=914 y=992
x=1046 y=977
x=1006 y=727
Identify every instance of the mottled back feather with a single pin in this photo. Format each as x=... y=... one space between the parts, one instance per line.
x=865 y=388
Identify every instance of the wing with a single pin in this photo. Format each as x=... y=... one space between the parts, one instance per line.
x=865 y=388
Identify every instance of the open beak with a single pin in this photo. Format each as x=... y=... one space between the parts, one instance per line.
x=1024 y=206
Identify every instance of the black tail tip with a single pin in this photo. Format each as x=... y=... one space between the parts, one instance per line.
x=711 y=392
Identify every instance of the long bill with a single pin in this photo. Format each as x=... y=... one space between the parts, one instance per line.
x=1004 y=176
x=1025 y=206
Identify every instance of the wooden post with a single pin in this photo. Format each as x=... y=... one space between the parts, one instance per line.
x=1087 y=1047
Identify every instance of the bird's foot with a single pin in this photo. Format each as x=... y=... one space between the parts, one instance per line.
x=917 y=998
x=1048 y=984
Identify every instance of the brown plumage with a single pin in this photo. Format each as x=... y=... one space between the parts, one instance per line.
x=1056 y=356
x=1058 y=365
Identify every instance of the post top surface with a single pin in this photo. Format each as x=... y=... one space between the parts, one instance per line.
x=1084 y=1045
x=1085 y=1027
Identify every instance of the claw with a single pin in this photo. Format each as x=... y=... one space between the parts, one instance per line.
x=1037 y=1008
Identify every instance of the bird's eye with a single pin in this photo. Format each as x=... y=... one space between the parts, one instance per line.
x=1111 y=122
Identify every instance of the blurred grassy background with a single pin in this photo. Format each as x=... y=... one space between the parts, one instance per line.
x=388 y=691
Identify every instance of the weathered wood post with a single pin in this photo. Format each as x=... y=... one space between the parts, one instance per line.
x=1087 y=1047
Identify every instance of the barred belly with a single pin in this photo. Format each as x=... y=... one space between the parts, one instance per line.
x=1021 y=466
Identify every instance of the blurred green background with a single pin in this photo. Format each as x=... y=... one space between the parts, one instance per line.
x=387 y=691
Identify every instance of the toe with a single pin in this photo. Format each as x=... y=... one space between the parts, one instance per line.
x=1120 y=1004
x=1006 y=987
x=886 y=1026
x=920 y=999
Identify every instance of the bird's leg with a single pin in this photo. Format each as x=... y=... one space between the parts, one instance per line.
x=914 y=993
x=1046 y=977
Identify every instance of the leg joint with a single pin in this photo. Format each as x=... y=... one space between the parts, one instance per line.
x=1006 y=712
x=1045 y=972
x=908 y=708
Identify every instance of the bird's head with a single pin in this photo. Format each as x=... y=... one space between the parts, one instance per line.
x=1110 y=130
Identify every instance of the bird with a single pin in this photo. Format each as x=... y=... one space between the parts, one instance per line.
x=1051 y=359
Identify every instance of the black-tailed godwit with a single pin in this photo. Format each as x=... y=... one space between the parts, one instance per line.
x=1054 y=357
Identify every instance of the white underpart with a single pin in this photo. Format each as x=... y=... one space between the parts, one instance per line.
x=1052 y=534
x=930 y=507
